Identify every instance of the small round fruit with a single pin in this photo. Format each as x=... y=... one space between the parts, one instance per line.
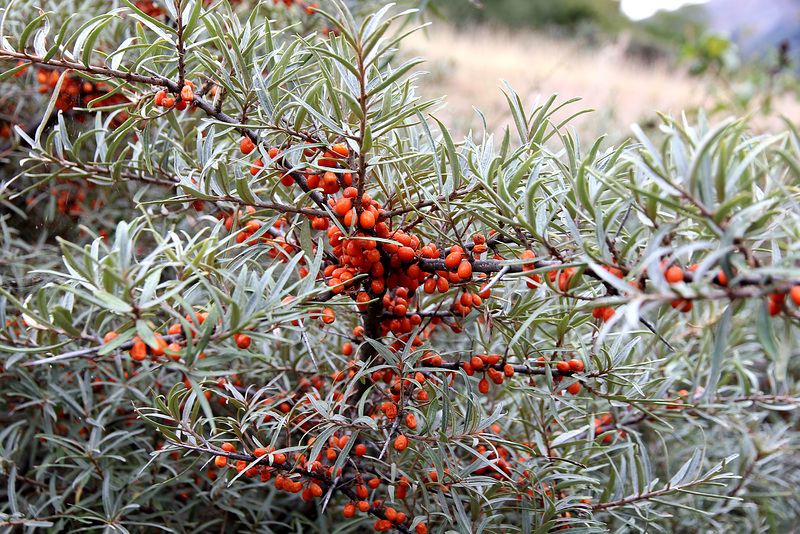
x=247 y=145
x=575 y=365
x=242 y=341
x=328 y=316
x=483 y=386
x=139 y=351
x=674 y=275
x=794 y=293
x=465 y=270
x=367 y=220
x=349 y=510
x=411 y=421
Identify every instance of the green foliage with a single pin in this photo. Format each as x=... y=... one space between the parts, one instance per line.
x=567 y=15
x=153 y=222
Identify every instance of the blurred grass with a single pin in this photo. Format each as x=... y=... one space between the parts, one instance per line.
x=467 y=64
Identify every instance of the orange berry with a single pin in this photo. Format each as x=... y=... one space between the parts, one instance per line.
x=483 y=386
x=674 y=275
x=576 y=365
x=443 y=284
x=382 y=525
x=109 y=336
x=684 y=306
x=477 y=363
x=773 y=307
x=378 y=284
x=139 y=351
x=328 y=316
x=363 y=506
x=247 y=145
x=411 y=421
x=349 y=510
x=361 y=449
x=256 y=167
x=430 y=285
x=794 y=293
x=242 y=341
x=421 y=528
x=452 y=260
x=186 y=93
x=227 y=447
x=574 y=388
x=406 y=254
x=508 y=370
x=464 y=270
x=340 y=149
x=221 y=461
x=367 y=220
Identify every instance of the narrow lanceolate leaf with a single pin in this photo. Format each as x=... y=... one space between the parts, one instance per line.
x=720 y=346
x=50 y=105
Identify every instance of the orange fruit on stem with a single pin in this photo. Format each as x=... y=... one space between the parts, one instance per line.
x=674 y=275
x=794 y=293
x=247 y=145
x=139 y=351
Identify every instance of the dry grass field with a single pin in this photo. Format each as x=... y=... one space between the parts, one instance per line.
x=467 y=67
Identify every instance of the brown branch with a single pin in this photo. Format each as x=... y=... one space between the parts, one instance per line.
x=424 y=204
x=646 y=496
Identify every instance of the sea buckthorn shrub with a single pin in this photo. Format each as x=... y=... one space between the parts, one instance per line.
x=250 y=283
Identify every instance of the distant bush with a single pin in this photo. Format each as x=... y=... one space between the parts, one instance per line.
x=566 y=15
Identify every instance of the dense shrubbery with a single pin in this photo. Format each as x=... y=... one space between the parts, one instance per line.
x=249 y=284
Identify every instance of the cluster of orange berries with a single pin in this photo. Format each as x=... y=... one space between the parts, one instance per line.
x=77 y=92
x=162 y=350
x=309 y=476
x=777 y=299
x=572 y=366
x=675 y=274
x=603 y=425
x=278 y=245
x=163 y=100
x=488 y=364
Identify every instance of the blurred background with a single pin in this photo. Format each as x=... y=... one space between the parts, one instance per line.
x=627 y=59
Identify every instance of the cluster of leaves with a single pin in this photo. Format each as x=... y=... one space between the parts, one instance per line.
x=202 y=348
